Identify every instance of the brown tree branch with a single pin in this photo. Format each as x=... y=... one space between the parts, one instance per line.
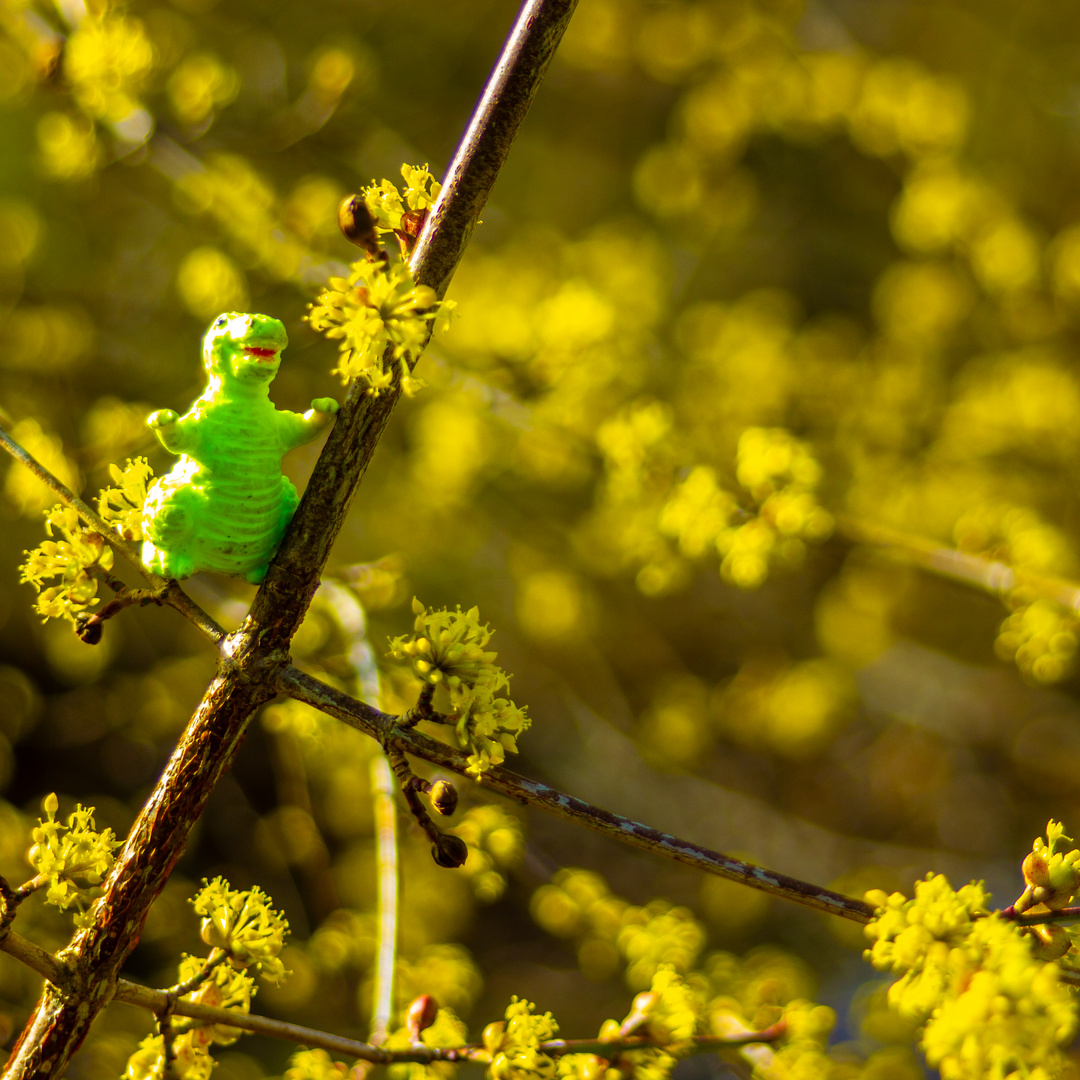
x=382 y=727
x=990 y=576
x=245 y=678
x=160 y=1002
x=156 y=1001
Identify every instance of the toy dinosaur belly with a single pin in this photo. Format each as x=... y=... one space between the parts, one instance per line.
x=225 y=506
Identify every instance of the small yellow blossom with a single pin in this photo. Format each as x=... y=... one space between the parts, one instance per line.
x=63 y=852
x=243 y=924
x=375 y=309
x=447 y=649
x=122 y=506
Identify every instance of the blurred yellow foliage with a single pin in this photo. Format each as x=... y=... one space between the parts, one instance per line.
x=209 y=282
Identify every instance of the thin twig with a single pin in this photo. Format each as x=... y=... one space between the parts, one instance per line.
x=216 y=958
x=380 y=726
x=386 y=848
x=1036 y=918
x=990 y=576
x=90 y=628
x=155 y=1000
x=167 y=1031
x=36 y=958
x=168 y=591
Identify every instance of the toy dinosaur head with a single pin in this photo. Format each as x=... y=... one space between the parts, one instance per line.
x=244 y=348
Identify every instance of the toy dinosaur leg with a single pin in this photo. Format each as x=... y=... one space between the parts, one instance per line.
x=170 y=528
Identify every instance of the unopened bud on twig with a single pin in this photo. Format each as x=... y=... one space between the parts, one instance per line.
x=421 y=1015
x=444 y=797
x=450 y=851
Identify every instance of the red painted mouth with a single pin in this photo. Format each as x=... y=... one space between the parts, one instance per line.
x=261 y=354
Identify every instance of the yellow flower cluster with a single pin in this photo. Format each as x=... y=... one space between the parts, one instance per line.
x=314 y=1065
x=1051 y=874
x=375 y=309
x=578 y=904
x=513 y=1045
x=447 y=649
x=804 y=1050
x=224 y=988
x=200 y=85
x=63 y=852
x=193 y=1061
x=378 y=313
x=1041 y=639
x=388 y=206
x=220 y=986
x=243 y=923
x=228 y=189
x=791 y=709
x=107 y=61
x=80 y=559
x=988 y=1007
x=780 y=474
x=671 y=1012
x=1039 y=636
x=448 y=972
x=122 y=506
x=496 y=843
x=697 y=513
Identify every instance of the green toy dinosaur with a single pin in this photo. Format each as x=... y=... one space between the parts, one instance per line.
x=225 y=505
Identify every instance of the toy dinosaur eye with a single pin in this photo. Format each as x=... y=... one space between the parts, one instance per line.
x=221 y=320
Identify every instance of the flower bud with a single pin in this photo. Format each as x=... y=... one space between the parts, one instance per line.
x=1036 y=869
x=358 y=224
x=1049 y=941
x=212 y=935
x=412 y=222
x=444 y=797
x=493 y=1036
x=88 y=632
x=645 y=1002
x=450 y=851
x=421 y=1015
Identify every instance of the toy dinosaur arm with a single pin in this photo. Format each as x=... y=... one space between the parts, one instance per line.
x=296 y=429
x=172 y=431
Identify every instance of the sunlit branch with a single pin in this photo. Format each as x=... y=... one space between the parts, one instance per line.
x=990 y=576
x=160 y=1001
x=168 y=591
x=1036 y=918
x=380 y=726
x=36 y=958
x=386 y=849
x=483 y=148
x=156 y=1001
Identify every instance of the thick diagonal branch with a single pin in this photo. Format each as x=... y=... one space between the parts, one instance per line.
x=246 y=677
x=294 y=575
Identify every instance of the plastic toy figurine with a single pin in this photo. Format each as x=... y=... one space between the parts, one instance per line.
x=225 y=505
